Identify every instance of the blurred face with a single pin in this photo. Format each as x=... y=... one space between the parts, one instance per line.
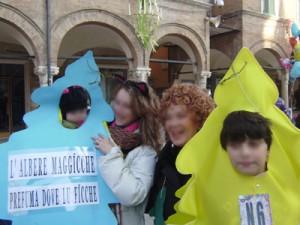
x=77 y=116
x=180 y=124
x=122 y=108
x=249 y=157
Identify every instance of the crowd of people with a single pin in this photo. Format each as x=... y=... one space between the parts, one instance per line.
x=147 y=134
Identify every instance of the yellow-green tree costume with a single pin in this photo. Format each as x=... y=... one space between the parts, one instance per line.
x=211 y=197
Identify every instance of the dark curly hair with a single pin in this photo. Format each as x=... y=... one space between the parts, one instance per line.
x=190 y=95
x=73 y=98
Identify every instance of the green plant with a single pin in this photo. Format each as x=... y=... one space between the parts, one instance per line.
x=147 y=21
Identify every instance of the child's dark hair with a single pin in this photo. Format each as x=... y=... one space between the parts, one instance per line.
x=73 y=98
x=240 y=125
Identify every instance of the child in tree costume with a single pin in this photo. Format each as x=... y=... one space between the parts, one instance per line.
x=216 y=191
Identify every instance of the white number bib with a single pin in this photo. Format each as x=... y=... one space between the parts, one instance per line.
x=255 y=210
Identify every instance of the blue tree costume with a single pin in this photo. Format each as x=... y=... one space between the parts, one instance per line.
x=45 y=133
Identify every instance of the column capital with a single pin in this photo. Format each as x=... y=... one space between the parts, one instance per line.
x=139 y=74
x=201 y=78
x=205 y=73
x=42 y=73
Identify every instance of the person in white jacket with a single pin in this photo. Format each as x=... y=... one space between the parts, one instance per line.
x=129 y=156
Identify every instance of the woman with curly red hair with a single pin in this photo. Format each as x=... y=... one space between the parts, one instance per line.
x=184 y=109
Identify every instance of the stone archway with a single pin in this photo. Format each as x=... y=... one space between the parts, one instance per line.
x=268 y=44
x=25 y=31
x=192 y=44
x=128 y=40
x=186 y=38
x=268 y=57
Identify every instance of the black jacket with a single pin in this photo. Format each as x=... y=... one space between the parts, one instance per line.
x=167 y=175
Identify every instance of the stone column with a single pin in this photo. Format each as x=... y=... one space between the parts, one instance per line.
x=201 y=78
x=139 y=74
x=42 y=73
x=285 y=87
x=27 y=90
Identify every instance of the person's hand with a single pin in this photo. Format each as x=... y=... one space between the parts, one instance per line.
x=103 y=144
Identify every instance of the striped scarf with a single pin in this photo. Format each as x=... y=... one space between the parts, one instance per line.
x=127 y=137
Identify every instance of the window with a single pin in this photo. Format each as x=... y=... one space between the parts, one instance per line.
x=269 y=7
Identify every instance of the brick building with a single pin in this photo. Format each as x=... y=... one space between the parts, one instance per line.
x=69 y=28
x=189 y=48
x=262 y=26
